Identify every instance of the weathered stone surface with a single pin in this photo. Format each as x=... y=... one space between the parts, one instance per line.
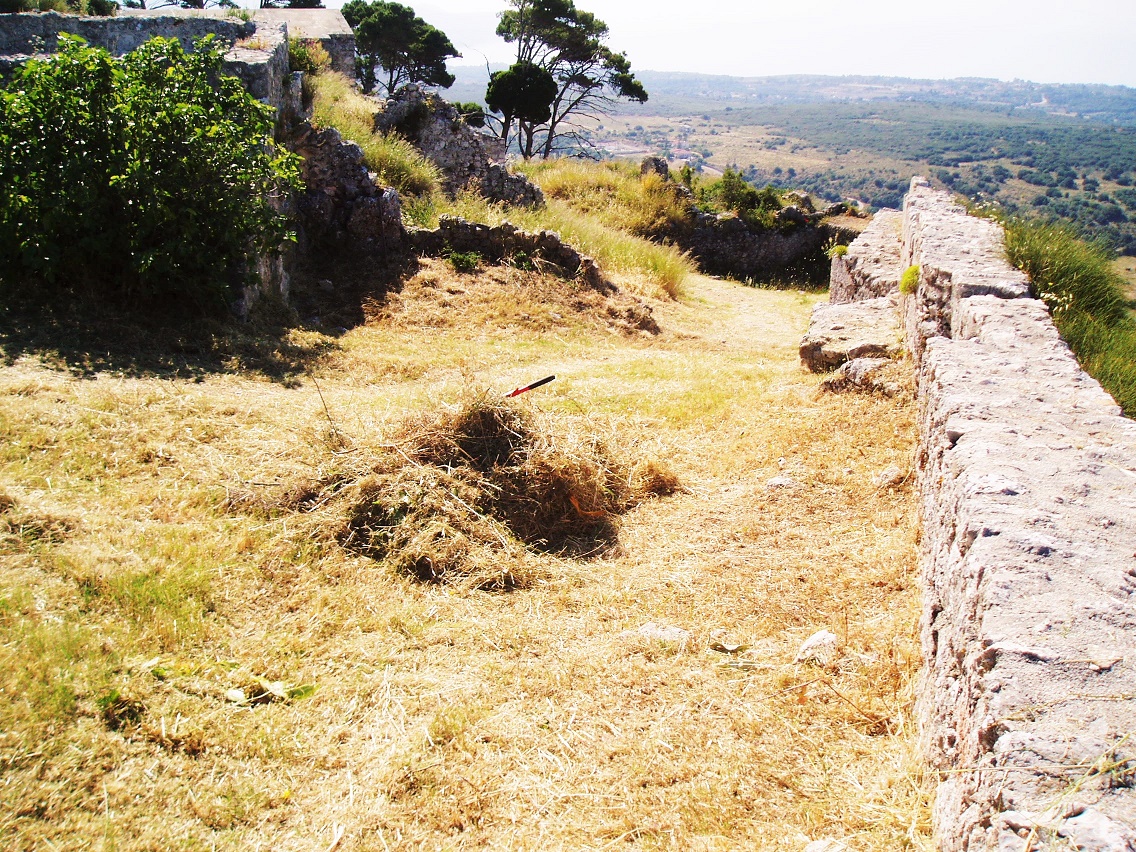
x=958 y=256
x=839 y=333
x=866 y=375
x=1027 y=477
x=872 y=266
x=327 y=26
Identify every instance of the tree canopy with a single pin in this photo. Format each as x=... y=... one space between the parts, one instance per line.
x=569 y=44
x=391 y=37
x=523 y=93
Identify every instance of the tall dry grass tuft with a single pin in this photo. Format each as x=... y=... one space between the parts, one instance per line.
x=613 y=192
x=466 y=492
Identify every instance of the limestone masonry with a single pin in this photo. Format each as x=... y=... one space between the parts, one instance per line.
x=1027 y=476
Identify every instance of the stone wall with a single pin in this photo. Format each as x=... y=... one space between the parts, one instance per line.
x=725 y=245
x=871 y=267
x=342 y=207
x=1027 y=480
x=1027 y=475
x=257 y=53
x=504 y=241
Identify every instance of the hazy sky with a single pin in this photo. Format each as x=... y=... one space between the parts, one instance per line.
x=1041 y=40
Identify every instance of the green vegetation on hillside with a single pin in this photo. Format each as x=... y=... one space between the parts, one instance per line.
x=1078 y=282
x=138 y=179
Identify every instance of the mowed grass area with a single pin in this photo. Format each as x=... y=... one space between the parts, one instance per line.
x=191 y=658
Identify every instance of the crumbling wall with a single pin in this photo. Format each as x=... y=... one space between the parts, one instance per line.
x=342 y=207
x=1027 y=476
x=504 y=241
x=467 y=158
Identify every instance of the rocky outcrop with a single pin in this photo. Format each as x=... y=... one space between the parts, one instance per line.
x=1027 y=476
x=873 y=264
x=466 y=157
x=839 y=333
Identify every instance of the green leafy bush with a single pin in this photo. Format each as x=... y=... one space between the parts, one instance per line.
x=757 y=207
x=462 y=261
x=141 y=179
x=307 y=55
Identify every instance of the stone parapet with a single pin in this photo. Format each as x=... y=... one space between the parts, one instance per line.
x=958 y=256
x=872 y=266
x=1027 y=475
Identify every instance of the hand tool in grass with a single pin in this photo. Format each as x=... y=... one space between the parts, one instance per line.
x=528 y=388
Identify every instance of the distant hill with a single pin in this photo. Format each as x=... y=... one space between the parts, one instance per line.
x=1064 y=152
x=672 y=90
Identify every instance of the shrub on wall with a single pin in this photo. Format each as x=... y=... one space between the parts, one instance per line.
x=142 y=179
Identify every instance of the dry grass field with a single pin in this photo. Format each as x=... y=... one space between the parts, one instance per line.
x=206 y=644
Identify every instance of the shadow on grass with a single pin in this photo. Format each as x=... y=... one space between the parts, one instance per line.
x=86 y=340
x=279 y=342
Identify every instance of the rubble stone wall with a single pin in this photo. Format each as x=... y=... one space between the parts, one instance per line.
x=1027 y=476
x=504 y=241
x=466 y=157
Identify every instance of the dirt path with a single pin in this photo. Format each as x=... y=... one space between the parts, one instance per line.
x=649 y=698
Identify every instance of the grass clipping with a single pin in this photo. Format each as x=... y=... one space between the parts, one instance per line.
x=469 y=495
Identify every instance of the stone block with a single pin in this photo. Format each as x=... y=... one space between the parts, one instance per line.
x=839 y=333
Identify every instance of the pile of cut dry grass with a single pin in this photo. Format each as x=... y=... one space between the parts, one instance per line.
x=464 y=495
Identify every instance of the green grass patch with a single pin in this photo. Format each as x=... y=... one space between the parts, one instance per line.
x=47 y=663
x=1079 y=283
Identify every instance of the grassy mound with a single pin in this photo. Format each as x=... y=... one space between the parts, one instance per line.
x=467 y=492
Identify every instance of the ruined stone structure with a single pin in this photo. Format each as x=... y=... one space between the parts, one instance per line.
x=342 y=207
x=466 y=157
x=1027 y=478
x=257 y=53
x=873 y=268
x=505 y=241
